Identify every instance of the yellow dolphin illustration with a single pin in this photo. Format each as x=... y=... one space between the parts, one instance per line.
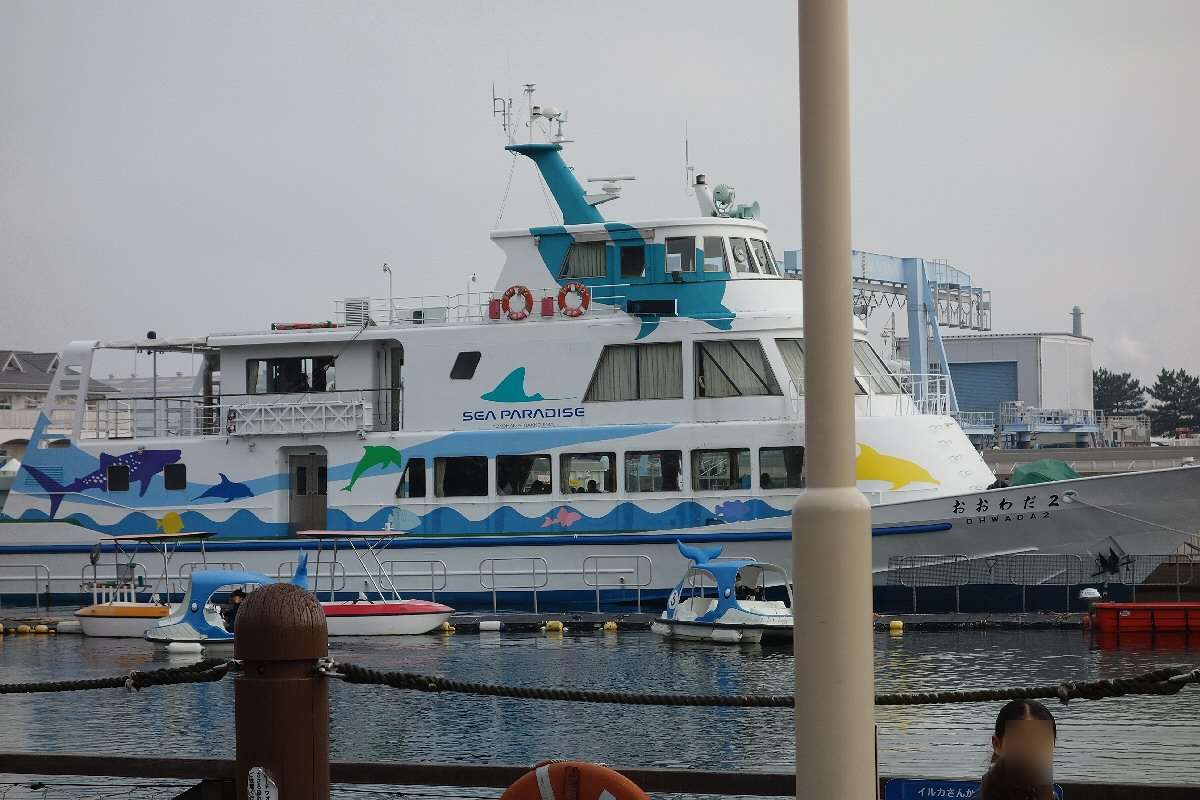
x=171 y=523
x=873 y=465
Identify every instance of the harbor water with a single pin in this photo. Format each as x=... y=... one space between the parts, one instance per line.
x=1130 y=740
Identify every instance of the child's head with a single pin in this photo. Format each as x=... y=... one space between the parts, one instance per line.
x=1015 y=779
x=1025 y=731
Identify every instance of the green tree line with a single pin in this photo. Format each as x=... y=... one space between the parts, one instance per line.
x=1174 y=398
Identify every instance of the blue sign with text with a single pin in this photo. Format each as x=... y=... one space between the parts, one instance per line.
x=903 y=789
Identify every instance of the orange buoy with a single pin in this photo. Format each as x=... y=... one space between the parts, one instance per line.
x=506 y=302
x=585 y=299
x=573 y=780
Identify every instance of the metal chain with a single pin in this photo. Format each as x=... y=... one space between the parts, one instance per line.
x=206 y=671
x=1166 y=681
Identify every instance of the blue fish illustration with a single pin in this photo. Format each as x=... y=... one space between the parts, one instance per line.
x=512 y=390
x=700 y=555
x=143 y=466
x=227 y=490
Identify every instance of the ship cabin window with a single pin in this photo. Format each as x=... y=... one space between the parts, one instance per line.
x=5 y=402
x=461 y=476
x=764 y=257
x=117 y=478
x=517 y=475
x=792 y=351
x=290 y=375
x=638 y=372
x=465 y=365
x=300 y=482
x=322 y=480
x=733 y=368
x=412 y=480
x=585 y=260
x=714 y=255
x=685 y=248
x=742 y=260
x=588 y=473
x=871 y=367
x=633 y=261
x=175 y=477
x=781 y=468
x=653 y=470
x=720 y=470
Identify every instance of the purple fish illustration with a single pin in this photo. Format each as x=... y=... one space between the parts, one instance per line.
x=142 y=465
x=735 y=511
x=564 y=518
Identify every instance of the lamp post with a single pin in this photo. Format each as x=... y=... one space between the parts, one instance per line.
x=474 y=279
x=831 y=521
x=388 y=270
x=151 y=336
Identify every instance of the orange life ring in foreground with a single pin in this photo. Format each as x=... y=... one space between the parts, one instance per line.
x=585 y=299
x=573 y=780
x=506 y=302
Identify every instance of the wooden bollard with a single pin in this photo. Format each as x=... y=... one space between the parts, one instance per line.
x=281 y=705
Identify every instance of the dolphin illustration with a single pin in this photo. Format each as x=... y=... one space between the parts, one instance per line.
x=226 y=490
x=872 y=465
x=700 y=555
x=373 y=456
x=142 y=465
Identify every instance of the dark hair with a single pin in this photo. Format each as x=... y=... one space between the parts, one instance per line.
x=1023 y=709
x=1014 y=780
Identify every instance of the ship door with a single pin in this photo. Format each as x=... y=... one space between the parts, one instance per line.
x=395 y=383
x=309 y=498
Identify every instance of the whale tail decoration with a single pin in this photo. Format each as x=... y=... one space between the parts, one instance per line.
x=300 y=578
x=52 y=487
x=700 y=555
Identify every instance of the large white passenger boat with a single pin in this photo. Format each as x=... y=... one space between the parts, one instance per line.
x=627 y=384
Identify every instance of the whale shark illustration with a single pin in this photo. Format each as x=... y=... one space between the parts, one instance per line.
x=873 y=465
x=374 y=456
x=512 y=390
x=143 y=466
x=701 y=555
x=227 y=490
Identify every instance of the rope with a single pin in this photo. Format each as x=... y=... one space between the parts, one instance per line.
x=206 y=671
x=1166 y=681
x=1190 y=534
x=512 y=166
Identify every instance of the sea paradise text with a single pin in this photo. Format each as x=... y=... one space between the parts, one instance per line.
x=563 y=412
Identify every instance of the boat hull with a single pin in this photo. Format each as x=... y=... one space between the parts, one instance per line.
x=404 y=618
x=119 y=620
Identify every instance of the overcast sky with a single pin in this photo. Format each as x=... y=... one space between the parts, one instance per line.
x=199 y=167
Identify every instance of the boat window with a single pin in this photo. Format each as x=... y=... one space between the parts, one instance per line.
x=5 y=402
x=322 y=480
x=412 y=480
x=175 y=477
x=721 y=470
x=300 y=485
x=762 y=253
x=714 y=254
x=685 y=248
x=464 y=365
x=781 y=468
x=633 y=261
x=290 y=375
x=638 y=372
x=870 y=366
x=461 y=476
x=653 y=470
x=742 y=261
x=733 y=368
x=117 y=479
x=585 y=260
x=792 y=351
x=523 y=474
x=588 y=473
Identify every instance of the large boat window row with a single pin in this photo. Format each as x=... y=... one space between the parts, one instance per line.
x=725 y=469
x=707 y=253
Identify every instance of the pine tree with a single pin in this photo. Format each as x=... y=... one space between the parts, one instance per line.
x=1118 y=393
x=1177 y=402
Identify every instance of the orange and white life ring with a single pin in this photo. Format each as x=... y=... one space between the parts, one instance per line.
x=506 y=302
x=577 y=780
x=585 y=299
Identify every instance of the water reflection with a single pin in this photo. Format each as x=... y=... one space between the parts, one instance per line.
x=1147 y=739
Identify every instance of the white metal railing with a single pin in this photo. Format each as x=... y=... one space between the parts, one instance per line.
x=463 y=308
x=18 y=418
x=976 y=419
x=35 y=575
x=1013 y=415
x=326 y=412
x=919 y=394
x=186 y=570
x=538 y=574
x=622 y=567
x=123 y=586
x=435 y=573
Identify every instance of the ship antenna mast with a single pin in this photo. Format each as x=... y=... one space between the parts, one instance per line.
x=502 y=107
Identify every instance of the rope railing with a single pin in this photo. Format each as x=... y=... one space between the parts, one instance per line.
x=1160 y=682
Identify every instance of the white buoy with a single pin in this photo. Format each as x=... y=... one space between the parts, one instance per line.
x=180 y=648
x=489 y=624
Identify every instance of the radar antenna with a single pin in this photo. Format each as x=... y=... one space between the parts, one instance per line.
x=610 y=190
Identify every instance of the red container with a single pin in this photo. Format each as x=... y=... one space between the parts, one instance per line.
x=1146 y=617
x=547 y=306
x=494 y=308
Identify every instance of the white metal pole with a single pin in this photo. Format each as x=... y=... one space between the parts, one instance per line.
x=831 y=522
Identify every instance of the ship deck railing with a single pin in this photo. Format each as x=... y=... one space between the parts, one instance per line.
x=466 y=308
